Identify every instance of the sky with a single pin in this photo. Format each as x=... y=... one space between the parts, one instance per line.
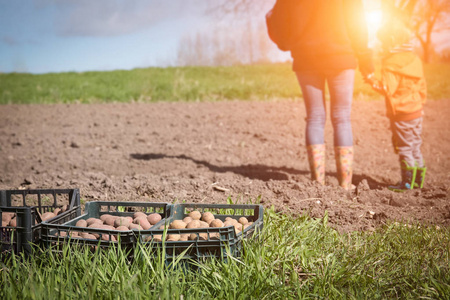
x=42 y=36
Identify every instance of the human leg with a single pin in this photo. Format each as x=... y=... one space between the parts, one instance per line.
x=341 y=85
x=403 y=137
x=313 y=89
x=417 y=153
x=312 y=85
x=341 y=94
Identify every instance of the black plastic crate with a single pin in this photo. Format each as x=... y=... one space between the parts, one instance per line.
x=217 y=242
x=16 y=239
x=67 y=232
x=28 y=206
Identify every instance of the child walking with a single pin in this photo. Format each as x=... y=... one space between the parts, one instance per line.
x=404 y=87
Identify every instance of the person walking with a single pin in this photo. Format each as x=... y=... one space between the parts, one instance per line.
x=327 y=40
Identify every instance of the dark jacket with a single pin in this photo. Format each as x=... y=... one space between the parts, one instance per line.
x=334 y=37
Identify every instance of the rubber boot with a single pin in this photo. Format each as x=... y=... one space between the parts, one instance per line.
x=408 y=178
x=344 y=166
x=316 y=158
x=420 y=177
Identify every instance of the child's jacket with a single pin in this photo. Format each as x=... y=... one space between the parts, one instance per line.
x=404 y=85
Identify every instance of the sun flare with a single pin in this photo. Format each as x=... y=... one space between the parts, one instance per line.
x=374 y=19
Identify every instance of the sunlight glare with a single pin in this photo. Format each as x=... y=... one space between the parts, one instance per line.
x=374 y=20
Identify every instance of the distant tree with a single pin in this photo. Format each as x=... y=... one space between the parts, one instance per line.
x=426 y=16
x=430 y=16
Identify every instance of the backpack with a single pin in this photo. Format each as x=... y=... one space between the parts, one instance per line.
x=285 y=22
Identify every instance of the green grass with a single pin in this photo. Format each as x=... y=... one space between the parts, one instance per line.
x=249 y=82
x=295 y=258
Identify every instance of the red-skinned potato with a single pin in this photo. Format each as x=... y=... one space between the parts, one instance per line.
x=81 y=223
x=47 y=216
x=154 y=218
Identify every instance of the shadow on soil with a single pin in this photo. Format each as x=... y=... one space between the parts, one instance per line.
x=373 y=184
x=252 y=171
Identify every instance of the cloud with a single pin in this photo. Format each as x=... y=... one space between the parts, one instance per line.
x=117 y=17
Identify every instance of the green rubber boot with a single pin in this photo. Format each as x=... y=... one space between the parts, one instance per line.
x=420 y=177
x=408 y=178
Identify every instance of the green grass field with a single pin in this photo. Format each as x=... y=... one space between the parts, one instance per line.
x=252 y=82
x=294 y=258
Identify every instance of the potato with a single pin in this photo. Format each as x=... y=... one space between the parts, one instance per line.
x=64 y=208
x=214 y=236
x=173 y=237
x=154 y=218
x=87 y=235
x=107 y=237
x=47 y=216
x=4 y=223
x=184 y=237
x=13 y=222
x=107 y=227
x=156 y=238
x=7 y=216
x=136 y=226
x=238 y=227
x=95 y=225
x=246 y=226
x=201 y=236
x=91 y=221
x=104 y=217
x=61 y=234
x=228 y=223
x=143 y=222
x=203 y=224
x=187 y=220
x=57 y=211
x=195 y=215
x=139 y=214
x=122 y=221
x=130 y=219
x=207 y=216
x=216 y=223
x=123 y=228
x=110 y=220
x=243 y=220
x=193 y=224
x=81 y=223
x=177 y=224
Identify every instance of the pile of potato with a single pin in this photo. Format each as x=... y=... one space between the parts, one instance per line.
x=139 y=221
x=9 y=218
x=196 y=219
x=51 y=214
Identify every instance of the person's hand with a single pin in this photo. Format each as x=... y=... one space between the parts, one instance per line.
x=375 y=83
x=369 y=78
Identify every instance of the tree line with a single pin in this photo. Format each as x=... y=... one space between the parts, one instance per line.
x=240 y=36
